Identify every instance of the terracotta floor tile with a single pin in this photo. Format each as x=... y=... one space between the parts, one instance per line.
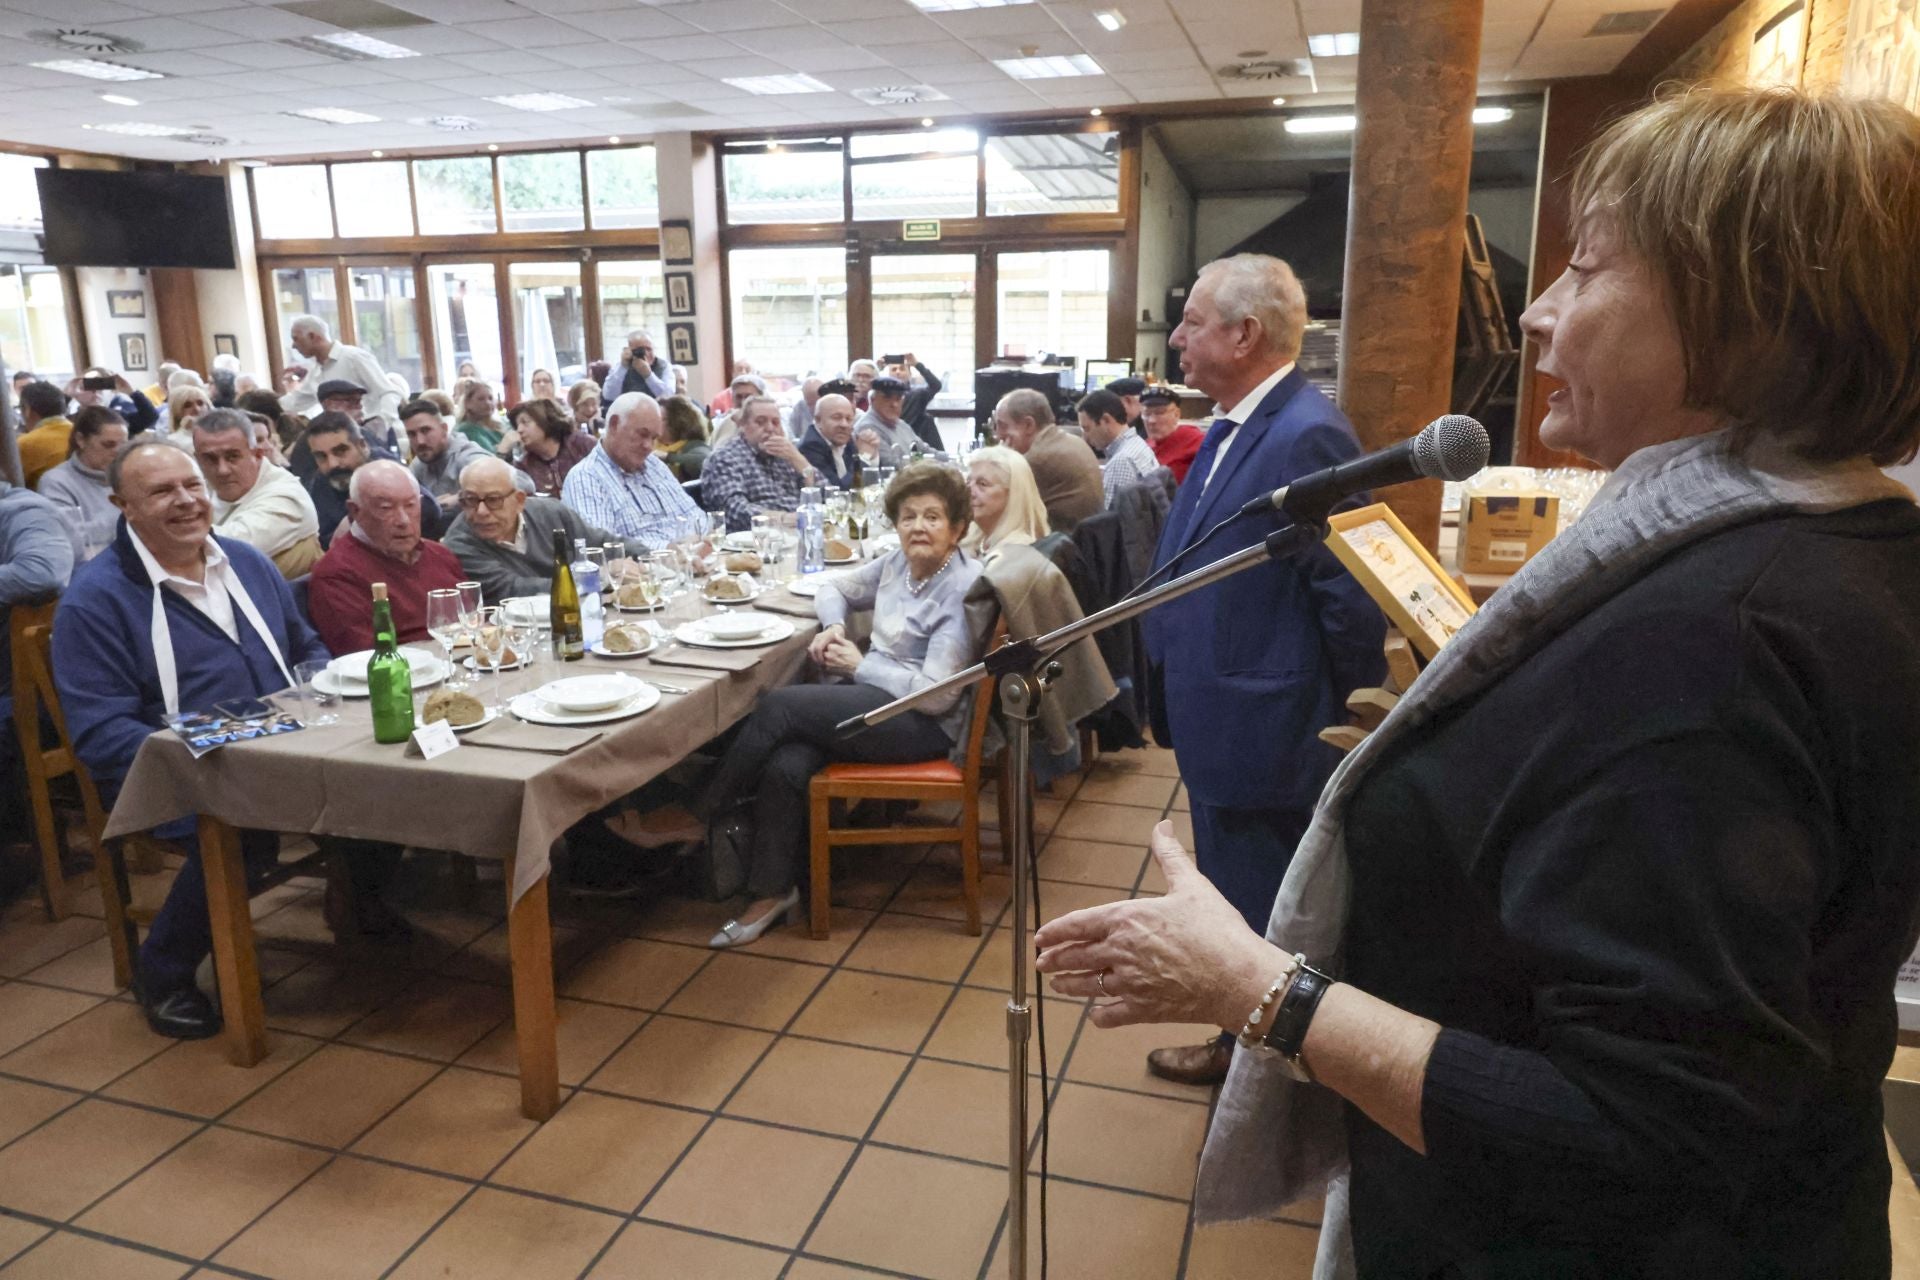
x=994 y=967
x=463 y=1123
x=975 y=1029
x=86 y=968
x=81 y=1154
x=752 y=1182
x=874 y=1010
x=1127 y=1139
x=602 y=1151
x=1118 y=1057
x=677 y=1060
x=31 y=940
x=204 y=1193
x=934 y=890
x=498 y=1234
x=438 y=1018
x=326 y=997
x=813 y=1269
x=915 y=947
x=23 y=1105
x=101 y=1043
x=1183 y=829
x=1153 y=880
x=638 y=973
x=748 y=991
x=1091 y=862
x=196 y=1077
x=26 y=1011
x=333 y=1096
x=1130 y=787
x=1229 y=1250
x=1057 y=897
x=1156 y=761
x=69 y=1257
x=794 y=942
x=811 y=1085
x=486 y=959
x=881 y=1215
x=687 y=921
x=1111 y=1235
x=17 y=1235
x=588 y=1035
x=350 y=1221
x=1111 y=823
x=1180 y=801
x=954 y=1110
x=645 y=1251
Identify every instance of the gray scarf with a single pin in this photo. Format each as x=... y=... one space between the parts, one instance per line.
x=1274 y=1141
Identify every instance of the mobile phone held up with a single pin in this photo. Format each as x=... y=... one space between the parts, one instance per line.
x=96 y=384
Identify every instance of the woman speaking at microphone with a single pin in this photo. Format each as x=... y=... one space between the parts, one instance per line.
x=1600 y=928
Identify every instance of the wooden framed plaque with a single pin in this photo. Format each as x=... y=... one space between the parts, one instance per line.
x=1417 y=595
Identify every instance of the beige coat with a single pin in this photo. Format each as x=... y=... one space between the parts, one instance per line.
x=1021 y=585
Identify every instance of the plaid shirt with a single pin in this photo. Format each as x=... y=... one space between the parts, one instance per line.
x=740 y=480
x=640 y=506
x=1129 y=460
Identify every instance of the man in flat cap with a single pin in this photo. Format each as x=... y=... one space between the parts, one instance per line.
x=1173 y=442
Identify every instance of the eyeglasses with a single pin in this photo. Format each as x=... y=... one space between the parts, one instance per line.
x=492 y=501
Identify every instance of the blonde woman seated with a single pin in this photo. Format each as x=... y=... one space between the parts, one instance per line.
x=1007 y=510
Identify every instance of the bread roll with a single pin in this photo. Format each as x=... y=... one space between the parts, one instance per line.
x=743 y=562
x=456 y=708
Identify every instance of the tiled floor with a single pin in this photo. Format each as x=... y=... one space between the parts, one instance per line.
x=795 y=1109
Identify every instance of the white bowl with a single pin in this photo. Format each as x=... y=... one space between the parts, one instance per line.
x=588 y=693
x=738 y=626
x=353 y=666
x=536 y=609
x=742 y=541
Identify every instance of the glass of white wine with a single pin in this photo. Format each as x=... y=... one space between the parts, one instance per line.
x=445 y=624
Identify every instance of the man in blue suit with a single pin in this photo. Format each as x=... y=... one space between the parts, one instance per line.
x=1248 y=671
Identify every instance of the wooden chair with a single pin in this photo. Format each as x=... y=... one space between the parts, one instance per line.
x=41 y=763
x=931 y=780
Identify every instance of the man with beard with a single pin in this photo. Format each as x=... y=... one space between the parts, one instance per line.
x=338 y=451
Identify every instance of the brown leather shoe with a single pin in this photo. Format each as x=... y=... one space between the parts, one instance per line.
x=1202 y=1064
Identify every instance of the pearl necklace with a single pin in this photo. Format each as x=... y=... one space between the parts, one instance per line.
x=916 y=586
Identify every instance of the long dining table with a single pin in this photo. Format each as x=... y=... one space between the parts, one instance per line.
x=509 y=800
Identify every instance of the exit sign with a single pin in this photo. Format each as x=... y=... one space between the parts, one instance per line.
x=927 y=230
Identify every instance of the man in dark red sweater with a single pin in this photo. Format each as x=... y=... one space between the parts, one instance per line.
x=383 y=508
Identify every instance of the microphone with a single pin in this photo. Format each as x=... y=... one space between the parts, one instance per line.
x=1452 y=447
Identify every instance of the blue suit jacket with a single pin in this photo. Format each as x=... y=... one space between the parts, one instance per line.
x=1249 y=670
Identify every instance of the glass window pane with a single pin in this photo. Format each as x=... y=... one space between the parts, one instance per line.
x=789 y=309
x=945 y=187
x=1054 y=173
x=631 y=297
x=865 y=146
x=923 y=306
x=19 y=191
x=549 y=321
x=793 y=182
x=303 y=291
x=371 y=199
x=293 y=202
x=456 y=196
x=1055 y=302
x=466 y=321
x=33 y=325
x=542 y=191
x=624 y=188
x=385 y=322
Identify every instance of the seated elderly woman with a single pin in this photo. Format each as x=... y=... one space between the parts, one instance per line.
x=920 y=637
x=549 y=442
x=478 y=422
x=1007 y=510
x=185 y=402
x=1601 y=926
x=583 y=403
x=541 y=385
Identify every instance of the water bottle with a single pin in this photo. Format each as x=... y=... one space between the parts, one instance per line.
x=812 y=524
x=586 y=580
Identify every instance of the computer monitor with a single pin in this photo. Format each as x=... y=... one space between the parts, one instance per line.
x=1101 y=372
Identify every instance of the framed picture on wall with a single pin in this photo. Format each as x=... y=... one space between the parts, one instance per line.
x=1779 y=48
x=681 y=348
x=676 y=242
x=225 y=344
x=127 y=304
x=133 y=352
x=1416 y=594
x=679 y=293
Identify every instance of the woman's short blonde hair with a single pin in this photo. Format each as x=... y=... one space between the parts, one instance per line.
x=178 y=398
x=1025 y=519
x=1786 y=229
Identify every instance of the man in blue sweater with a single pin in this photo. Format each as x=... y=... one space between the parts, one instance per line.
x=171 y=618
x=36 y=558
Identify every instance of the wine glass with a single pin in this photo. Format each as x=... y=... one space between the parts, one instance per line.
x=490 y=642
x=471 y=601
x=444 y=624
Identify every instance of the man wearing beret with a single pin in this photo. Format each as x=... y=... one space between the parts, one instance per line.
x=1173 y=442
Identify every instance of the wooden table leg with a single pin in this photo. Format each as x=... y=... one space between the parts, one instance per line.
x=530 y=947
x=233 y=958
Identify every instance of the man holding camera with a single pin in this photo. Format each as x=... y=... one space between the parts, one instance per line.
x=639 y=369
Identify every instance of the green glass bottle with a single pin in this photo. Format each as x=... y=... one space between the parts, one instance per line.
x=569 y=639
x=389 y=678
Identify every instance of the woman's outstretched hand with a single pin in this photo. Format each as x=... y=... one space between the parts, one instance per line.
x=1184 y=957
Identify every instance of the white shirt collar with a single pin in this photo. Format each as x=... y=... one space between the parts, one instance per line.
x=216 y=561
x=1245 y=409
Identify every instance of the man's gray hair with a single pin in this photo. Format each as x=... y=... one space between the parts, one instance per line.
x=638 y=333
x=139 y=444
x=309 y=324
x=483 y=467
x=863 y=364
x=626 y=405
x=1262 y=288
x=218 y=421
x=1025 y=402
x=374 y=471
x=751 y=378
x=745 y=406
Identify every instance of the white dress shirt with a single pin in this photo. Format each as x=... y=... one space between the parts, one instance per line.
x=210 y=596
x=351 y=364
x=1239 y=414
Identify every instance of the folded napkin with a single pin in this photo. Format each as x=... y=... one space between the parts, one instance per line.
x=670 y=654
x=780 y=600
x=511 y=734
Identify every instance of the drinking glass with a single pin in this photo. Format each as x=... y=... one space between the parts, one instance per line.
x=666 y=572
x=766 y=538
x=471 y=601
x=489 y=642
x=317 y=706
x=444 y=624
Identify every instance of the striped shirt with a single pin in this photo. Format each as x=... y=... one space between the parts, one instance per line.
x=643 y=505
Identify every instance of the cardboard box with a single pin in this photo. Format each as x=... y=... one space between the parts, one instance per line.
x=1501 y=531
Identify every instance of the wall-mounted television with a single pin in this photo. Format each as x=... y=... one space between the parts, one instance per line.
x=138 y=218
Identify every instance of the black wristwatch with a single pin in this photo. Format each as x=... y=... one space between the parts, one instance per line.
x=1287 y=1034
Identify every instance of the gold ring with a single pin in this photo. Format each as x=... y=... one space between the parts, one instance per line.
x=1100 y=980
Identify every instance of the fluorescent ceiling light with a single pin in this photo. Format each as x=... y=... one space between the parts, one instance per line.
x=119 y=99
x=1053 y=67
x=142 y=129
x=540 y=102
x=1111 y=19
x=355 y=45
x=779 y=84
x=1321 y=124
x=334 y=115
x=1492 y=115
x=948 y=6
x=1341 y=45
x=94 y=69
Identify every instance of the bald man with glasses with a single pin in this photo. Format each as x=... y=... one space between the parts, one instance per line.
x=504 y=537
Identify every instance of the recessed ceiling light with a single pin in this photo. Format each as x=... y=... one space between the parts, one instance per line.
x=352 y=46
x=540 y=102
x=1320 y=124
x=333 y=115
x=493 y=146
x=1111 y=19
x=142 y=129
x=1492 y=115
x=1049 y=68
x=378 y=155
x=796 y=83
x=1341 y=45
x=948 y=6
x=614 y=140
x=119 y=99
x=1279 y=102
x=1096 y=112
x=926 y=122
x=95 y=69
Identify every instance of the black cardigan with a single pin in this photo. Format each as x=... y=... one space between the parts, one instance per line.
x=1656 y=885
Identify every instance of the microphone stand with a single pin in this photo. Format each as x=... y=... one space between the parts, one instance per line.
x=1025 y=669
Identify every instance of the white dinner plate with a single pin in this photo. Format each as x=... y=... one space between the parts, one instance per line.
x=655 y=607
x=599 y=650
x=535 y=609
x=476 y=666
x=694 y=633
x=426 y=673
x=493 y=713
x=843 y=560
x=531 y=709
x=753 y=593
x=577 y=695
x=352 y=667
x=808 y=586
